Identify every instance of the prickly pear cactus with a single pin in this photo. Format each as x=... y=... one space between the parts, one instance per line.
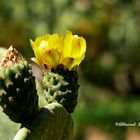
x=59 y=57
x=19 y=100
x=18 y=96
x=61 y=86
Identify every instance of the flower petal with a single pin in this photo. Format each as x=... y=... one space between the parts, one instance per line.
x=70 y=63
x=67 y=62
x=67 y=44
x=52 y=58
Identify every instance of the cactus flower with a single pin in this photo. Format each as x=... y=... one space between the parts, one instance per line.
x=54 y=50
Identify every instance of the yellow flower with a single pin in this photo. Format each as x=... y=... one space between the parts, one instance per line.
x=54 y=50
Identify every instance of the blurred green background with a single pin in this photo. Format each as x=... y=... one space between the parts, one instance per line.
x=109 y=76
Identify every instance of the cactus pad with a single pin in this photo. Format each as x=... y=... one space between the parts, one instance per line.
x=62 y=86
x=52 y=122
x=18 y=96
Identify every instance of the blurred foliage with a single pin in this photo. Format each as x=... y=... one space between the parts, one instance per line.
x=113 y=46
x=110 y=73
x=103 y=111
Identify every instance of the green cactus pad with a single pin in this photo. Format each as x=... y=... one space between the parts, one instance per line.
x=18 y=96
x=52 y=122
x=62 y=86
